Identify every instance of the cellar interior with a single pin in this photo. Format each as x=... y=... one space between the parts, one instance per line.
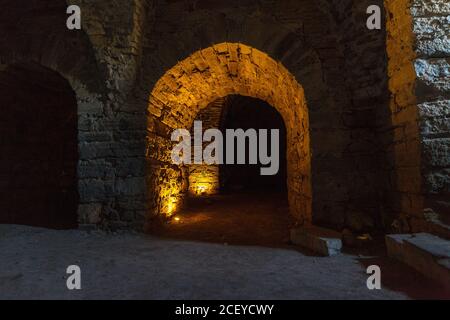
x=234 y=203
x=247 y=113
x=88 y=116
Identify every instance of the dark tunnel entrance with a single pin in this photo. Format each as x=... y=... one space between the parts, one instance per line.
x=249 y=113
x=38 y=148
x=235 y=203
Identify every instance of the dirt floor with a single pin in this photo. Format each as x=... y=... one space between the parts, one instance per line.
x=260 y=219
x=225 y=248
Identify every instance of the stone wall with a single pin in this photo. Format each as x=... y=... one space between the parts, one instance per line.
x=431 y=26
x=417 y=46
x=205 y=179
x=218 y=71
x=363 y=79
x=371 y=160
x=42 y=38
x=301 y=35
x=115 y=29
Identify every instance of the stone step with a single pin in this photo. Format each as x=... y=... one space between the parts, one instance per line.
x=319 y=240
x=426 y=253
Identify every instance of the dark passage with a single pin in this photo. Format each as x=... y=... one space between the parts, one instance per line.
x=250 y=209
x=38 y=148
x=250 y=113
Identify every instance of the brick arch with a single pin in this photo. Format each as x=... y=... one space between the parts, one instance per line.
x=218 y=71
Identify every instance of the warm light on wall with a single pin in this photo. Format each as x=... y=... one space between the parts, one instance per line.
x=204 y=188
x=204 y=180
x=171 y=204
x=171 y=207
x=201 y=189
x=216 y=72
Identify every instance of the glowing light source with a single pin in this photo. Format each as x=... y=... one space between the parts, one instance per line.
x=203 y=180
x=171 y=206
x=201 y=189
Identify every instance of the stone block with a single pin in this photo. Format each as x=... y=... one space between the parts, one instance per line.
x=130 y=186
x=90 y=213
x=437 y=152
x=426 y=253
x=320 y=240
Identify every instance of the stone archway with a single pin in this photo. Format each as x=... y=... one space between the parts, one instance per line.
x=218 y=71
x=73 y=57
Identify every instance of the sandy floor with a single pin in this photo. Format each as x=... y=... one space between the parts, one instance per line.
x=229 y=247
x=246 y=218
x=135 y=266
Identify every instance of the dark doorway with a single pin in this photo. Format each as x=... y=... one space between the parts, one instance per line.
x=249 y=208
x=249 y=113
x=38 y=148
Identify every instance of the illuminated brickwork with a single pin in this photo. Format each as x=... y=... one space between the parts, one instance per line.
x=418 y=50
x=221 y=70
x=367 y=130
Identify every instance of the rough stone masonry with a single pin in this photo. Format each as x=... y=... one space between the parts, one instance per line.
x=369 y=116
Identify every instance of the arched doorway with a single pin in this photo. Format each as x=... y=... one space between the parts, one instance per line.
x=250 y=115
x=207 y=75
x=38 y=148
x=236 y=202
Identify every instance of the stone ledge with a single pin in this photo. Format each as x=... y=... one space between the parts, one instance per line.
x=322 y=241
x=426 y=253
